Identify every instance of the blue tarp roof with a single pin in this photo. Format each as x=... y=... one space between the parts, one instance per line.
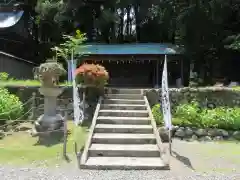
x=130 y=49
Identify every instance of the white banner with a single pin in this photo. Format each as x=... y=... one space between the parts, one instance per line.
x=77 y=111
x=166 y=109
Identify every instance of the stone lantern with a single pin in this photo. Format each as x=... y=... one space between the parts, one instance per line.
x=48 y=73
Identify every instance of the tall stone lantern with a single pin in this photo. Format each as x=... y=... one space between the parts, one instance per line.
x=48 y=73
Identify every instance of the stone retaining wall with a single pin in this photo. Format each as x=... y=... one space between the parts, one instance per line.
x=187 y=133
x=208 y=96
x=65 y=101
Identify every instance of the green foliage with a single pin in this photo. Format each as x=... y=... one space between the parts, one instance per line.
x=235 y=42
x=192 y=115
x=51 y=68
x=189 y=114
x=4 y=76
x=48 y=73
x=47 y=8
x=223 y=118
x=71 y=43
x=157 y=114
x=10 y=105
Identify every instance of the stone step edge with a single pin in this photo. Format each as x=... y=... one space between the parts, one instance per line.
x=124 y=147
x=127 y=105
x=123 y=136
x=123 y=118
x=123 y=126
x=125 y=94
x=123 y=111
x=124 y=163
x=137 y=100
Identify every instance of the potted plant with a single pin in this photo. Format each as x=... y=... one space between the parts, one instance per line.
x=92 y=78
x=49 y=72
x=92 y=75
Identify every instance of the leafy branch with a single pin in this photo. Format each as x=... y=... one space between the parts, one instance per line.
x=235 y=42
x=72 y=43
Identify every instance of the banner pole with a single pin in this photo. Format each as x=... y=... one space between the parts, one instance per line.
x=170 y=141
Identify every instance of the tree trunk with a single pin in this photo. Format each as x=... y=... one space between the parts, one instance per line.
x=128 y=20
x=121 y=26
x=137 y=19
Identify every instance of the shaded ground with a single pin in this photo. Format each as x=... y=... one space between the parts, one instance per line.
x=209 y=157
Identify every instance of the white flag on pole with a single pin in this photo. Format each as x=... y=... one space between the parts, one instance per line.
x=77 y=111
x=166 y=109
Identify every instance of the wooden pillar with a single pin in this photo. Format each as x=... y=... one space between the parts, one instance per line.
x=157 y=74
x=182 y=72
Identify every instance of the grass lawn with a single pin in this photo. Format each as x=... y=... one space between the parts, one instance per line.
x=25 y=83
x=20 y=148
x=237 y=87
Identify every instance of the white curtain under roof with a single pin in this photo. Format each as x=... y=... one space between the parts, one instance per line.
x=8 y=19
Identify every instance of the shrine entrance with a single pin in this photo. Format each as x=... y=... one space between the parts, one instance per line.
x=137 y=68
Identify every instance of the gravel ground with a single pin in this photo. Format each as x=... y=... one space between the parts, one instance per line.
x=207 y=157
x=9 y=173
x=190 y=161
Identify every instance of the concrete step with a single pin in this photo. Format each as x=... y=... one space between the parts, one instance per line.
x=125 y=163
x=123 y=101
x=123 y=128
x=123 y=91
x=124 y=150
x=123 y=113
x=123 y=120
x=124 y=96
x=123 y=138
x=124 y=106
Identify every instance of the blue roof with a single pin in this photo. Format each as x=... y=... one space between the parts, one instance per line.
x=129 y=49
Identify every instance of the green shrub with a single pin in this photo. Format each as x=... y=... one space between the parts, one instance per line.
x=192 y=115
x=222 y=117
x=10 y=105
x=189 y=114
x=4 y=76
x=157 y=114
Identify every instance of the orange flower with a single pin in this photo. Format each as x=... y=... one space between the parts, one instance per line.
x=92 y=73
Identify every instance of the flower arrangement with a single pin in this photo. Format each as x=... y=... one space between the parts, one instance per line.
x=92 y=75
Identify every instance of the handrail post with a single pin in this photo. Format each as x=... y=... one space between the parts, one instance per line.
x=165 y=155
x=65 y=135
x=33 y=106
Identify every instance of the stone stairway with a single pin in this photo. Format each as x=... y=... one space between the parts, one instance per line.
x=122 y=135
